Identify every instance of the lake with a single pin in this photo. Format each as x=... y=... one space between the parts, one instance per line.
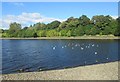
x=40 y=55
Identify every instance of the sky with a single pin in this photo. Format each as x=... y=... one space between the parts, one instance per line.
x=28 y=13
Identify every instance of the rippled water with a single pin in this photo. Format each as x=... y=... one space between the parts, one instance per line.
x=38 y=55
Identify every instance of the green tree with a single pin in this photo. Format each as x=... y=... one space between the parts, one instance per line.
x=73 y=23
x=42 y=33
x=52 y=33
x=14 y=29
x=84 y=20
x=39 y=26
x=80 y=31
x=117 y=28
x=68 y=33
x=63 y=33
x=101 y=21
x=107 y=30
x=1 y=31
x=35 y=35
x=29 y=32
x=99 y=24
x=63 y=25
x=87 y=29
x=94 y=31
x=53 y=25
x=70 y=19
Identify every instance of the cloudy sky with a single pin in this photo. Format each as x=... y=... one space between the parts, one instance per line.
x=28 y=13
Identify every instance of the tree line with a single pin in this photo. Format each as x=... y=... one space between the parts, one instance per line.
x=97 y=25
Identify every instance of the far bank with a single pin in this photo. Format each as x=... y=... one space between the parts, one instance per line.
x=79 y=37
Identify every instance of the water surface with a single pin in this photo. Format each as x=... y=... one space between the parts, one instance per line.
x=38 y=55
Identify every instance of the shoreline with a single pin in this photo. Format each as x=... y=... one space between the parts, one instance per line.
x=80 y=37
x=105 y=71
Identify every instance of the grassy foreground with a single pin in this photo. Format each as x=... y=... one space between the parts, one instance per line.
x=79 y=37
x=106 y=71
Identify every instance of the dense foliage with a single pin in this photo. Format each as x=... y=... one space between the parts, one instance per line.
x=98 y=25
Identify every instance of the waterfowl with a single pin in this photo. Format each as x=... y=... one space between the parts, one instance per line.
x=95 y=52
x=93 y=45
x=82 y=48
x=72 y=48
x=97 y=45
x=54 y=48
x=96 y=60
x=107 y=58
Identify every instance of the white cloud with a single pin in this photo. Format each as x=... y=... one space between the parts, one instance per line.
x=114 y=17
x=26 y=19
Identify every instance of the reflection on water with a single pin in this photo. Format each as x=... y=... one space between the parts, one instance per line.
x=38 y=55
